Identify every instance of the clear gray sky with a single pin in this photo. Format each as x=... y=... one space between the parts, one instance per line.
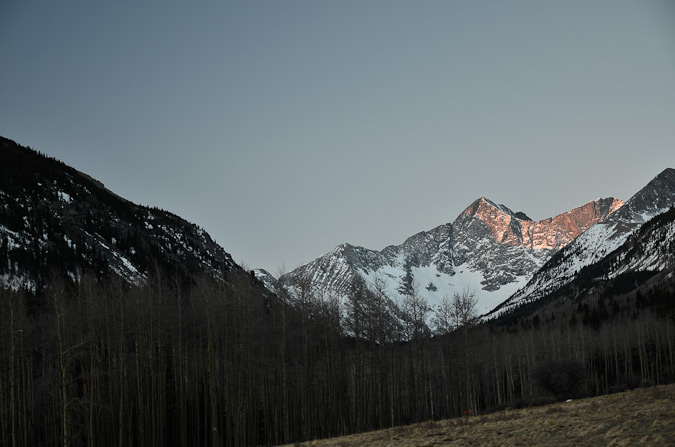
x=285 y=128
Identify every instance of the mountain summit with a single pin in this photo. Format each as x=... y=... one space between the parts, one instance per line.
x=510 y=228
x=488 y=249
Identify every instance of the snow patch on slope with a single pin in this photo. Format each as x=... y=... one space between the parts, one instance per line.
x=433 y=285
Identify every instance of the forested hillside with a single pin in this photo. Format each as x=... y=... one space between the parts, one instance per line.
x=104 y=363
x=55 y=220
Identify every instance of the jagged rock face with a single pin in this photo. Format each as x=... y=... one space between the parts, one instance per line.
x=548 y=234
x=501 y=222
x=425 y=248
x=55 y=219
x=657 y=197
x=335 y=272
x=491 y=238
x=558 y=232
x=488 y=249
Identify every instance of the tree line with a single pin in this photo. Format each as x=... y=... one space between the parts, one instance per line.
x=214 y=363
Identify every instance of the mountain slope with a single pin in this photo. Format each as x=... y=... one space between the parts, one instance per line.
x=54 y=218
x=593 y=245
x=488 y=249
x=639 y=273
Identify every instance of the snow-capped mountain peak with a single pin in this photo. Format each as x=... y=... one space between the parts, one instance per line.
x=488 y=249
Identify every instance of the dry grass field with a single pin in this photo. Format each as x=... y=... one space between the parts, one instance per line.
x=642 y=417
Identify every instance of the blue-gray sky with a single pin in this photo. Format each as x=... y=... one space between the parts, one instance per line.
x=285 y=128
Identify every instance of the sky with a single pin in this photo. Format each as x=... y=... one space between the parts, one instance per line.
x=285 y=128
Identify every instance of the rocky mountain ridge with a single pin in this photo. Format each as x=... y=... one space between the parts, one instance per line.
x=656 y=198
x=488 y=249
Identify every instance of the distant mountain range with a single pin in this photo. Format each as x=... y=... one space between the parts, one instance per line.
x=501 y=256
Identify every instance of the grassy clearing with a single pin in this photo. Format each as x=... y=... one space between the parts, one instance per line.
x=639 y=417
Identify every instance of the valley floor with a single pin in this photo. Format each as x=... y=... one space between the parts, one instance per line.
x=639 y=417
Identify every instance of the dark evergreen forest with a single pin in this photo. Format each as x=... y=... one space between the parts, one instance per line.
x=99 y=362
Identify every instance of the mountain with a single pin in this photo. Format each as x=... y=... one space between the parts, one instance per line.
x=639 y=274
x=55 y=219
x=488 y=249
x=657 y=197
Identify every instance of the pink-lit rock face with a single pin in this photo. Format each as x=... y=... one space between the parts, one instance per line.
x=548 y=234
